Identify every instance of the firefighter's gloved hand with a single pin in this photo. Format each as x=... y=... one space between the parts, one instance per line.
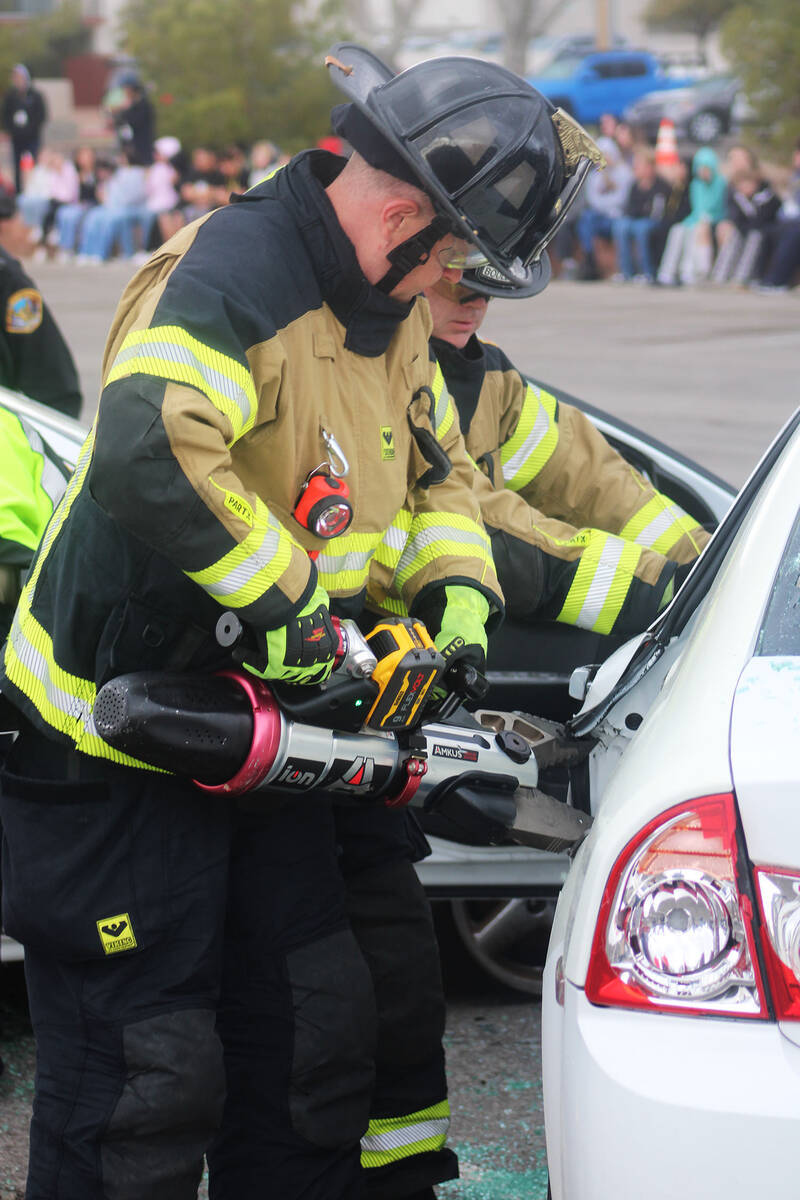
x=303 y=650
x=462 y=627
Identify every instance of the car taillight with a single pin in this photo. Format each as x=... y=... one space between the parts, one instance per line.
x=674 y=931
x=779 y=893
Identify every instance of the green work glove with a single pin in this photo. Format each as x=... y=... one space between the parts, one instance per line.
x=303 y=650
x=456 y=618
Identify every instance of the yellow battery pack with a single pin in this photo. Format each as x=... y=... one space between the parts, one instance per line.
x=408 y=667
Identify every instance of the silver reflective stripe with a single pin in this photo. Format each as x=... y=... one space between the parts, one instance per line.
x=216 y=380
x=660 y=525
x=437 y=533
x=395 y=538
x=602 y=579
x=242 y=574
x=354 y=560
x=69 y=706
x=52 y=481
x=406 y=1135
x=540 y=429
x=441 y=407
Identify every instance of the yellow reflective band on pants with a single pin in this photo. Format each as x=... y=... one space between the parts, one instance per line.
x=169 y=352
x=601 y=583
x=389 y=1139
x=533 y=441
x=659 y=524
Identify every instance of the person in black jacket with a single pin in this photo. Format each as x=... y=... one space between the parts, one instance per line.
x=644 y=212
x=751 y=207
x=24 y=114
x=34 y=358
x=135 y=122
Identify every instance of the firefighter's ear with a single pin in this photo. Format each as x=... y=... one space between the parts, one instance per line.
x=401 y=218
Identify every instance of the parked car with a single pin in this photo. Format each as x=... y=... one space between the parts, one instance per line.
x=588 y=85
x=701 y=113
x=671 y=1001
x=502 y=898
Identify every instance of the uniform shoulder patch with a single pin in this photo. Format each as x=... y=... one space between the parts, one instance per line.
x=24 y=311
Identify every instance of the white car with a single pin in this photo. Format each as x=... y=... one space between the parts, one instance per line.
x=501 y=899
x=671 y=996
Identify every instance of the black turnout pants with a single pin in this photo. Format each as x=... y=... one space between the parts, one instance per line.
x=198 y=983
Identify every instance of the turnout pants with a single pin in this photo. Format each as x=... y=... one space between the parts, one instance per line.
x=261 y=985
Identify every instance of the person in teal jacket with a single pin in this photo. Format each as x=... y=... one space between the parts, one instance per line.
x=689 y=251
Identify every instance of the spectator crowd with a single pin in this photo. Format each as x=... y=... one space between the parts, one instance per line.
x=90 y=207
x=649 y=217
x=655 y=218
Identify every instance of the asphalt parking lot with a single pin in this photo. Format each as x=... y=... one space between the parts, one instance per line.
x=712 y=372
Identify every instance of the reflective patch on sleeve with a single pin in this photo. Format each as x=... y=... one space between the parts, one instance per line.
x=240 y=508
x=24 y=311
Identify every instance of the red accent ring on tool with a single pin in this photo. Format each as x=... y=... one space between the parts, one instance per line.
x=266 y=738
x=415 y=768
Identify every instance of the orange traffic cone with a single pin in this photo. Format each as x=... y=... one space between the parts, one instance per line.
x=666 y=145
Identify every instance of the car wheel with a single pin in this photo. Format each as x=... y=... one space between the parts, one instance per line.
x=706 y=126
x=507 y=938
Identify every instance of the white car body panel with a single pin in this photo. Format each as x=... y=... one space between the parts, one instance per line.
x=651 y=1104
x=655 y=1106
x=765 y=745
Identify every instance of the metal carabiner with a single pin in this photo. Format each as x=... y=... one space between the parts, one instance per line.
x=335 y=452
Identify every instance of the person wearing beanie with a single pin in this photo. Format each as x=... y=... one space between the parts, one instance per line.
x=24 y=114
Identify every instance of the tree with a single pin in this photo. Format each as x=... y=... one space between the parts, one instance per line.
x=242 y=70
x=699 y=17
x=762 y=41
x=42 y=43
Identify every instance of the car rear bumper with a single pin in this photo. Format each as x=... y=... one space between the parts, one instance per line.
x=640 y=1104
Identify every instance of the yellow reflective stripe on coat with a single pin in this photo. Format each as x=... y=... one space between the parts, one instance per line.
x=533 y=441
x=169 y=352
x=434 y=535
x=65 y=701
x=659 y=524
x=601 y=583
x=444 y=410
x=393 y=542
x=246 y=572
x=389 y=1139
x=344 y=563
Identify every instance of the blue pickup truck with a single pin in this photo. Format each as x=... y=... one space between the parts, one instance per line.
x=588 y=85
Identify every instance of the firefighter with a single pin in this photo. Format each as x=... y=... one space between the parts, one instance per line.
x=34 y=358
x=578 y=535
x=32 y=482
x=194 y=980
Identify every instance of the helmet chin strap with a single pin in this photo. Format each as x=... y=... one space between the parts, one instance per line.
x=413 y=252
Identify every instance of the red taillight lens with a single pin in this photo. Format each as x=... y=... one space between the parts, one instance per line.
x=779 y=896
x=674 y=930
